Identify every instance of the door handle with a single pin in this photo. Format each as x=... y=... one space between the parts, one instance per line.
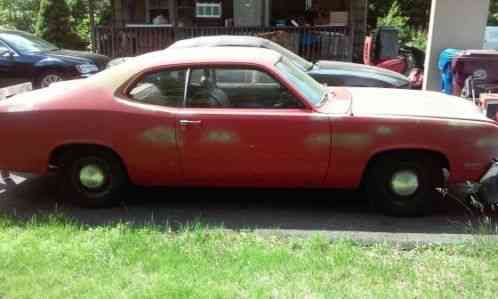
x=190 y=123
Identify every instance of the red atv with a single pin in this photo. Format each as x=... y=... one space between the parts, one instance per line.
x=383 y=49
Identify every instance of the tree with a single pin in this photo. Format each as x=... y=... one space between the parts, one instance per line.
x=80 y=18
x=54 y=24
x=493 y=13
x=394 y=18
x=18 y=14
x=417 y=10
x=81 y=22
x=410 y=34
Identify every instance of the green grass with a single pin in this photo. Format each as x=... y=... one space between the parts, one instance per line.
x=54 y=258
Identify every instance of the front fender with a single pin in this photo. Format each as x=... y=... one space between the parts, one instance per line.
x=55 y=64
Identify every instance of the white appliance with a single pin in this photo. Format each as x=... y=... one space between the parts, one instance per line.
x=491 y=38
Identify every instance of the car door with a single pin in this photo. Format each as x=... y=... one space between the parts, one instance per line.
x=246 y=132
x=147 y=136
x=14 y=67
x=8 y=74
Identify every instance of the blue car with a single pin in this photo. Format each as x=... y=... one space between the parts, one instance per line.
x=27 y=58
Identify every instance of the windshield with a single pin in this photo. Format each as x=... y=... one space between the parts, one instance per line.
x=310 y=88
x=300 y=62
x=24 y=42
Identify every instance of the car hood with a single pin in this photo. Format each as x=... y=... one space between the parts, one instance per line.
x=324 y=66
x=412 y=103
x=79 y=57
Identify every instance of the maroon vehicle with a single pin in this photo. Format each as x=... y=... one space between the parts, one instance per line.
x=475 y=72
x=382 y=49
x=245 y=117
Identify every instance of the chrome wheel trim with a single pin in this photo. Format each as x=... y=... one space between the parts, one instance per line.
x=92 y=177
x=49 y=79
x=404 y=183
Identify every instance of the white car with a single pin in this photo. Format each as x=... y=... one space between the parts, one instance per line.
x=491 y=38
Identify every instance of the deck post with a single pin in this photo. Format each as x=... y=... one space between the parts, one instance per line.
x=172 y=8
x=456 y=24
x=147 y=12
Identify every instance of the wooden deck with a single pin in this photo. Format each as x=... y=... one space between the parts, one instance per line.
x=313 y=43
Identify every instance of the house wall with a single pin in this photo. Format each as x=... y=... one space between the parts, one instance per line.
x=332 y=5
x=251 y=13
x=284 y=9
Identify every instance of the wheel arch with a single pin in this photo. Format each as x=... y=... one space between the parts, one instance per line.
x=43 y=67
x=59 y=151
x=55 y=66
x=438 y=156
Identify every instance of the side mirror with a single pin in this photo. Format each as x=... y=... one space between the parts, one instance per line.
x=7 y=54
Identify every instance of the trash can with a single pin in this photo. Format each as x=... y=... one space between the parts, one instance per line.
x=478 y=66
x=445 y=68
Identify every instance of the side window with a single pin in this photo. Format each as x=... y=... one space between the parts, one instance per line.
x=233 y=76
x=262 y=78
x=237 y=88
x=163 y=88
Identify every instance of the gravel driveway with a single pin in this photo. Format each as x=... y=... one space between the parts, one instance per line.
x=334 y=214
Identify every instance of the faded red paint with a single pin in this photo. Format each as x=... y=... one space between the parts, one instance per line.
x=328 y=146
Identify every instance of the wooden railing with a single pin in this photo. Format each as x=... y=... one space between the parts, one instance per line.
x=313 y=43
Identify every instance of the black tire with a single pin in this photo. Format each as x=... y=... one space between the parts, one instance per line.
x=106 y=194
x=38 y=83
x=381 y=191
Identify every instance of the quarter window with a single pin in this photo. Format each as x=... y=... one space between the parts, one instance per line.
x=163 y=88
x=238 y=88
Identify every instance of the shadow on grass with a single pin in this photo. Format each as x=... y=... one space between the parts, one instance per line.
x=303 y=210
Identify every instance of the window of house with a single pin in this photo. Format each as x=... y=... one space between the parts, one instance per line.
x=237 y=88
x=163 y=88
x=208 y=10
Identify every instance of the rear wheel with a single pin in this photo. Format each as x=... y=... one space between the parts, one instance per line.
x=92 y=178
x=404 y=185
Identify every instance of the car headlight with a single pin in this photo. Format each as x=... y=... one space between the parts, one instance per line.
x=87 y=68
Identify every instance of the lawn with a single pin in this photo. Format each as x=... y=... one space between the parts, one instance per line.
x=56 y=258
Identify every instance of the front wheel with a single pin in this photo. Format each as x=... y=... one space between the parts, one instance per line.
x=47 y=78
x=92 y=178
x=404 y=185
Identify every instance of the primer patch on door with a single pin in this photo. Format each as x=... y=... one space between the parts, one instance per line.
x=165 y=136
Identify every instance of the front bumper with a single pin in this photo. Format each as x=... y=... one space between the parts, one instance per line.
x=488 y=185
x=485 y=191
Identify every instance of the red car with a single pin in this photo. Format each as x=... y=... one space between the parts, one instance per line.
x=243 y=117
